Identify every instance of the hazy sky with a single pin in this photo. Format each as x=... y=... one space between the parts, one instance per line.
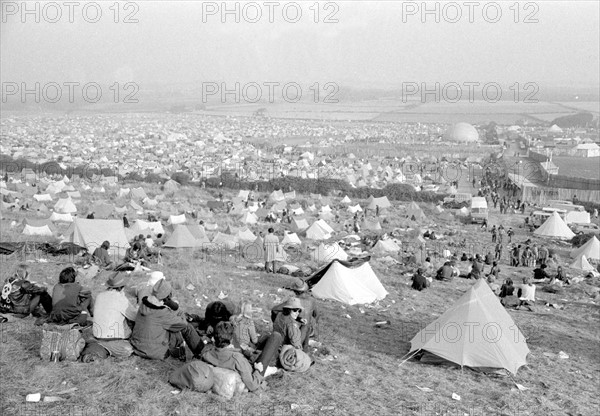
x=370 y=45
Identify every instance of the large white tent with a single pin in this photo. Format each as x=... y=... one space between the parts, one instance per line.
x=358 y=285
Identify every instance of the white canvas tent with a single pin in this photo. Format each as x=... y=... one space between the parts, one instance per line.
x=65 y=206
x=327 y=253
x=317 y=232
x=591 y=249
x=555 y=227
x=581 y=263
x=476 y=332
x=352 y=286
x=92 y=233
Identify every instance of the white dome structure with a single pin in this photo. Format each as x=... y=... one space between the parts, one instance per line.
x=462 y=132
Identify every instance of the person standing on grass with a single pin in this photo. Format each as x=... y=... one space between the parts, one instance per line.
x=494 y=233
x=271 y=245
x=509 y=234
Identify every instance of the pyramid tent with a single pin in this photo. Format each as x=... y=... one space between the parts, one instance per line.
x=317 y=232
x=382 y=202
x=346 y=200
x=385 y=247
x=581 y=263
x=344 y=283
x=555 y=227
x=91 y=234
x=291 y=238
x=415 y=211
x=181 y=238
x=327 y=253
x=65 y=206
x=245 y=235
x=354 y=209
x=591 y=249
x=476 y=332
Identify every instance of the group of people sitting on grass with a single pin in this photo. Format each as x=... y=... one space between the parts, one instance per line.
x=141 y=253
x=155 y=327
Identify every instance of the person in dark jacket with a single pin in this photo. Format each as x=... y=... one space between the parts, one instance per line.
x=419 y=281
x=446 y=272
x=158 y=331
x=22 y=297
x=71 y=303
x=286 y=323
x=476 y=268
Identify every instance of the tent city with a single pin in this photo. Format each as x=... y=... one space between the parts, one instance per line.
x=300 y=208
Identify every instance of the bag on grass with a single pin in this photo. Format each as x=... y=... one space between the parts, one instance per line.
x=66 y=339
x=228 y=383
x=195 y=375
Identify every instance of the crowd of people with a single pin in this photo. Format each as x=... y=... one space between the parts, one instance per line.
x=148 y=321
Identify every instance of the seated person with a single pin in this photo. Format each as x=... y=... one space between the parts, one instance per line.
x=134 y=255
x=308 y=317
x=146 y=290
x=464 y=257
x=158 y=331
x=540 y=273
x=494 y=272
x=427 y=266
x=22 y=297
x=561 y=275
x=244 y=330
x=446 y=272
x=114 y=316
x=506 y=290
x=102 y=258
x=526 y=294
x=287 y=325
x=223 y=355
x=477 y=268
x=419 y=281
x=489 y=258
x=71 y=304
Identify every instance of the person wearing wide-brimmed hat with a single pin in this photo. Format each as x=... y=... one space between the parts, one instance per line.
x=286 y=323
x=114 y=316
x=159 y=332
x=146 y=290
x=308 y=317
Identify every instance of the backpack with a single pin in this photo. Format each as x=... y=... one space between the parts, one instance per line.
x=66 y=339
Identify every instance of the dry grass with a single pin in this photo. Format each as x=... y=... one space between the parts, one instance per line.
x=360 y=375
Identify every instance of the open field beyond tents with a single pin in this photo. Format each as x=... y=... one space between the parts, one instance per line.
x=358 y=369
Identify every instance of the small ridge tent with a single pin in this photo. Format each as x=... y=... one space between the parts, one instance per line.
x=350 y=283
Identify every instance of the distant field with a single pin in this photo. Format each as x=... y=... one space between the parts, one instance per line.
x=389 y=110
x=585 y=167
